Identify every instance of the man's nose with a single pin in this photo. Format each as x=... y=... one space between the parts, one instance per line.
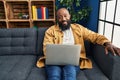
x=64 y=18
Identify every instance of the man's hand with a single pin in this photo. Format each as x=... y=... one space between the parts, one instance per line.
x=109 y=47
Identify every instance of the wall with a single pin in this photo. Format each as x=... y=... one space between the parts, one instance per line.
x=92 y=23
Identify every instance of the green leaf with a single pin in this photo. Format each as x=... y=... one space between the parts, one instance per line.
x=77 y=3
x=61 y=1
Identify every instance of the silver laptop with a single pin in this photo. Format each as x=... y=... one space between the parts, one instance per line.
x=61 y=54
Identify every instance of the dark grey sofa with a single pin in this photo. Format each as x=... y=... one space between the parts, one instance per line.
x=20 y=48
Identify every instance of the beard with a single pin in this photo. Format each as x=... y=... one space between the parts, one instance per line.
x=64 y=27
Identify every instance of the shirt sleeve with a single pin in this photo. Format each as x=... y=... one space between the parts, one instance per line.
x=93 y=36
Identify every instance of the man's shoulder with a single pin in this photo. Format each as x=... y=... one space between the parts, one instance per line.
x=76 y=26
x=51 y=28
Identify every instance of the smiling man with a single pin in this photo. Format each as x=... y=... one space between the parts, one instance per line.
x=66 y=33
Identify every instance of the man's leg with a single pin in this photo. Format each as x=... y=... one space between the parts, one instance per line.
x=53 y=72
x=70 y=72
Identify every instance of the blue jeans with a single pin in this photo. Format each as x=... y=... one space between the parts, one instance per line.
x=68 y=72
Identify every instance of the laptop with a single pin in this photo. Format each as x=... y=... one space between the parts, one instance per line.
x=62 y=54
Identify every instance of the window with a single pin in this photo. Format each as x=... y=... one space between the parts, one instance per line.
x=109 y=20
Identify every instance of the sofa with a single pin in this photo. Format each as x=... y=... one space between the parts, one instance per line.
x=20 y=48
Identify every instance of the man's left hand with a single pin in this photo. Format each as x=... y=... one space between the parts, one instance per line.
x=109 y=47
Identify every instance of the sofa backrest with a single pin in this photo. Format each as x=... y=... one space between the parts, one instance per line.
x=41 y=33
x=25 y=41
x=18 y=41
x=88 y=48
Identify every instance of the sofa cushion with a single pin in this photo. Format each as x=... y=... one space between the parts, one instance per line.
x=95 y=73
x=41 y=33
x=16 y=67
x=18 y=41
x=37 y=74
x=81 y=76
x=84 y=74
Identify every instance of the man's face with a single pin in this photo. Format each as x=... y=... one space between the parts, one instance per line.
x=63 y=18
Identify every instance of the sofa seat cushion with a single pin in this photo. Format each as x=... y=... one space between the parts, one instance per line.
x=37 y=74
x=81 y=76
x=85 y=74
x=95 y=73
x=16 y=67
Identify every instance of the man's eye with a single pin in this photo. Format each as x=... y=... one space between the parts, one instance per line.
x=65 y=16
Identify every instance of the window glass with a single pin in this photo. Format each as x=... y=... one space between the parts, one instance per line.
x=101 y=27
x=116 y=36
x=117 y=18
x=102 y=10
x=110 y=10
x=108 y=30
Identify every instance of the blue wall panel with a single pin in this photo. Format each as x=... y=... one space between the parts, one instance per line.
x=92 y=23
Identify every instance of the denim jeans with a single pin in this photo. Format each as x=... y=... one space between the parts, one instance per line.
x=68 y=72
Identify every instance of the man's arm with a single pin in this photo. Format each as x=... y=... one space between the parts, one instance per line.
x=100 y=39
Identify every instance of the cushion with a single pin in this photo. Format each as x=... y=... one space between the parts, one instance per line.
x=16 y=67
x=95 y=73
x=41 y=33
x=18 y=41
x=37 y=74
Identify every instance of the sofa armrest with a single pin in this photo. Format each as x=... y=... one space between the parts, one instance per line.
x=109 y=64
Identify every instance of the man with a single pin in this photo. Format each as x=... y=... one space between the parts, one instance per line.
x=66 y=33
